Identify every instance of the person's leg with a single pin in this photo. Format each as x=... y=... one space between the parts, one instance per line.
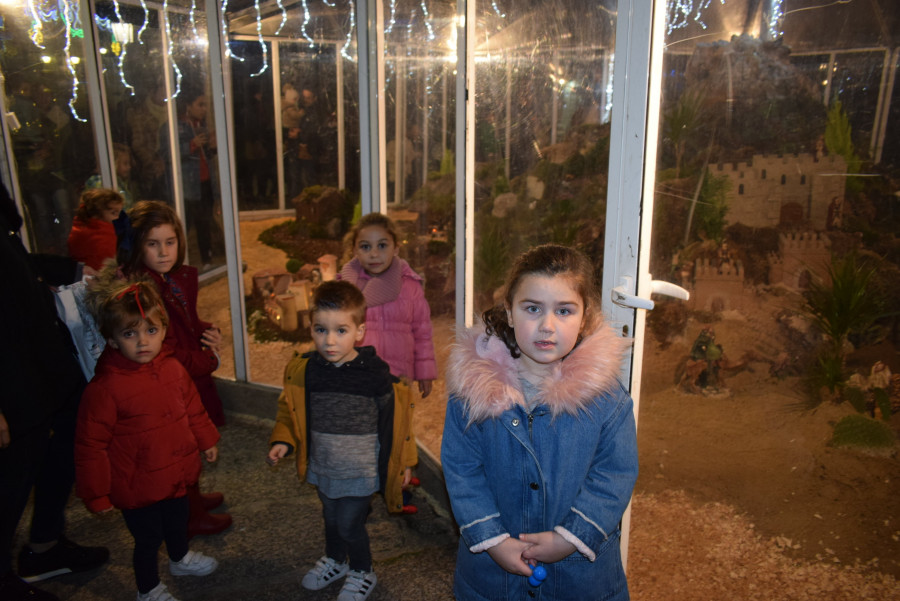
x=54 y=481
x=351 y=517
x=19 y=463
x=205 y=221
x=174 y=522
x=335 y=548
x=146 y=526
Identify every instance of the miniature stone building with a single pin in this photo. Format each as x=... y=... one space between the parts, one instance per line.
x=770 y=190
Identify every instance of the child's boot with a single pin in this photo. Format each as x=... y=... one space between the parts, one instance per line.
x=201 y=522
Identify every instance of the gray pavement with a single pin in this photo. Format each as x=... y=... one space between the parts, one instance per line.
x=277 y=535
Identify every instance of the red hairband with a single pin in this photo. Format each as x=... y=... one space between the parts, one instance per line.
x=136 y=289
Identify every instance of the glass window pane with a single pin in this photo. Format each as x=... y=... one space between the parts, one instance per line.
x=53 y=146
x=420 y=58
x=543 y=86
x=774 y=207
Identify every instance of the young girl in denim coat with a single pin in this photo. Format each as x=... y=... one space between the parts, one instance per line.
x=539 y=449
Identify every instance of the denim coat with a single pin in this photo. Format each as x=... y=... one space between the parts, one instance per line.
x=569 y=465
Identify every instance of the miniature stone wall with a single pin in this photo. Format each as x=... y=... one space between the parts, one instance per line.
x=717 y=287
x=801 y=256
x=763 y=187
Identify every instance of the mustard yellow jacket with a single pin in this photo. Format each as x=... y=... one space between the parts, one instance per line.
x=291 y=420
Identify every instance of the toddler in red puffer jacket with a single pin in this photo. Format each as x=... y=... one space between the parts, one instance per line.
x=140 y=432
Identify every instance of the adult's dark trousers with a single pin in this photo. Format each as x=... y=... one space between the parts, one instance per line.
x=41 y=458
x=345 y=530
x=150 y=526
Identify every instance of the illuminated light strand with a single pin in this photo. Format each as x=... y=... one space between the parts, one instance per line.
x=228 y=51
x=306 y=19
x=390 y=26
x=37 y=26
x=680 y=13
x=427 y=21
x=262 y=43
x=328 y=4
x=70 y=24
x=122 y=68
x=497 y=9
x=775 y=19
x=170 y=51
x=144 y=24
x=346 y=45
x=283 y=17
x=124 y=45
x=193 y=20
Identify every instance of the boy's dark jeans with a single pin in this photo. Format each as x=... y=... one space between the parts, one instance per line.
x=345 y=530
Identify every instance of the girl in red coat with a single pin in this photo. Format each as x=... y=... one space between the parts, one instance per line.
x=93 y=237
x=141 y=427
x=152 y=245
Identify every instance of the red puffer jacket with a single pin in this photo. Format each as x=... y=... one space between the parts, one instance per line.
x=92 y=242
x=141 y=428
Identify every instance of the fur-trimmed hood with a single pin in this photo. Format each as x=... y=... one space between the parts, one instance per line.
x=483 y=373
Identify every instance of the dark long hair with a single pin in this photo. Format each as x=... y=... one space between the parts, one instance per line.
x=143 y=217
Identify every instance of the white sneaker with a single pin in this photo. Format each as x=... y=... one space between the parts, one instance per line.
x=158 y=593
x=358 y=586
x=324 y=573
x=194 y=563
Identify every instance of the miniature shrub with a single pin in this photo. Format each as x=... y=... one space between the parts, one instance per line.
x=856 y=397
x=862 y=431
x=293 y=266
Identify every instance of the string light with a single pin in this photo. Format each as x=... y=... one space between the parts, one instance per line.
x=679 y=13
x=193 y=20
x=144 y=24
x=427 y=21
x=346 y=45
x=170 y=50
x=306 y=19
x=497 y=10
x=262 y=43
x=70 y=19
x=119 y=35
x=228 y=51
x=775 y=19
x=390 y=26
x=36 y=33
x=283 y=17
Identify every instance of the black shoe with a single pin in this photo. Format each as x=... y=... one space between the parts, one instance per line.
x=12 y=588
x=62 y=558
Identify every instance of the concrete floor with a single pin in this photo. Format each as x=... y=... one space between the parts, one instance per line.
x=276 y=537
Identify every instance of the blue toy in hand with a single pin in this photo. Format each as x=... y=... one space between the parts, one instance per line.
x=538 y=574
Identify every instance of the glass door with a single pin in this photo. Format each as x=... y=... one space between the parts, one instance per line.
x=767 y=400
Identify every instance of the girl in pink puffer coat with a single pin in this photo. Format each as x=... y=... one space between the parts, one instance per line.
x=398 y=319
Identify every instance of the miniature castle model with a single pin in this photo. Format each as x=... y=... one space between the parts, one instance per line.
x=769 y=190
x=800 y=257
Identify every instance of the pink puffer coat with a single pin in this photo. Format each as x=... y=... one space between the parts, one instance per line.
x=400 y=330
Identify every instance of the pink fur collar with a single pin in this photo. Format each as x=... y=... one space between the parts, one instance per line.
x=482 y=371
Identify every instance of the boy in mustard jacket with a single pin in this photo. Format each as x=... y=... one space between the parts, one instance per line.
x=348 y=420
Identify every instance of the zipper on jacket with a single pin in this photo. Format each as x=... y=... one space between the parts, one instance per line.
x=530 y=426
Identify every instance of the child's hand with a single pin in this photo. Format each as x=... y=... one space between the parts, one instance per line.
x=211 y=454
x=424 y=387
x=509 y=556
x=5 y=437
x=275 y=453
x=407 y=476
x=547 y=547
x=212 y=339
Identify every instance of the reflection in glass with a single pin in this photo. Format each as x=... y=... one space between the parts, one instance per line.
x=53 y=142
x=543 y=86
